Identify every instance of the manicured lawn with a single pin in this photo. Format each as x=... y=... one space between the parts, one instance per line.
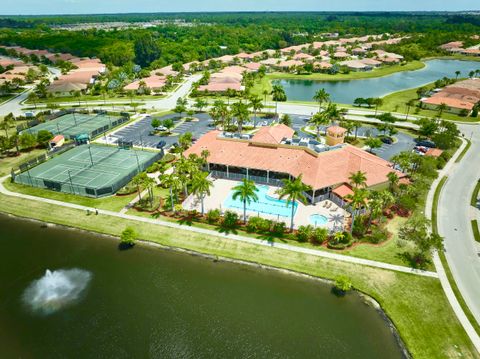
x=416 y=305
x=465 y=150
x=125 y=98
x=396 y=102
x=6 y=163
x=111 y=203
x=260 y=86
x=378 y=72
x=476 y=233
x=474 y=199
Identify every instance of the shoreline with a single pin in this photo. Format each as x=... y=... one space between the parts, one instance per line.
x=367 y=299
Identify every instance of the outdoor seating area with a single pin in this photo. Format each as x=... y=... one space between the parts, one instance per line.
x=322 y=214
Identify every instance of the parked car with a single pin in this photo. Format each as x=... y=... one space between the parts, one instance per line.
x=161 y=144
x=386 y=140
x=426 y=143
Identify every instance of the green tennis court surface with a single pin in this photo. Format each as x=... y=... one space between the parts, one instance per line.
x=74 y=124
x=89 y=170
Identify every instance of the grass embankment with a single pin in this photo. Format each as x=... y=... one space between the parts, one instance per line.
x=474 y=199
x=111 y=203
x=416 y=305
x=476 y=233
x=465 y=150
x=444 y=261
x=397 y=102
x=354 y=75
x=7 y=162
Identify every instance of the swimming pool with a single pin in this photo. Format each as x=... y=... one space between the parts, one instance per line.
x=266 y=204
x=318 y=219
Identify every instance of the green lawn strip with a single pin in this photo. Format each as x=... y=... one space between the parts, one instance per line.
x=98 y=98
x=474 y=199
x=7 y=163
x=387 y=252
x=448 y=272
x=378 y=72
x=111 y=203
x=465 y=150
x=416 y=305
x=476 y=233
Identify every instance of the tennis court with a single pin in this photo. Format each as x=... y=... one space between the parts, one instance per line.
x=89 y=170
x=71 y=125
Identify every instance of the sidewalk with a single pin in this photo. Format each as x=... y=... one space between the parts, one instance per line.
x=291 y=248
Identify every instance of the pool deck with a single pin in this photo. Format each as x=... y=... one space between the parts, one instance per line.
x=222 y=188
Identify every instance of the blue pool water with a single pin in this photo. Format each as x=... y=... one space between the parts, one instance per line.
x=318 y=220
x=265 y=204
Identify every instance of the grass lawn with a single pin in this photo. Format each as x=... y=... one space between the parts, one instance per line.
x=396 y=102
x=6 y=163
x=465 y=150
x=474 y=199
x=260 y=86
x=416 y=305
x=111 y=203
x=378 y=72
x=61 y=99
x=4 y=98
x=476 y=233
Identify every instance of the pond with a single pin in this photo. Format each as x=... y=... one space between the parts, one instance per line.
x=347 y=91
x=95 y=301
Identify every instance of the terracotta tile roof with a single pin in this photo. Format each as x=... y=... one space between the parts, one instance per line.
x=253 y=66
x=450 y=102
x=273 y=134
x=233 y=70
x=434 y=152
x=337 y=130
x=221 y=87
x=343 y=190
x=320 y=170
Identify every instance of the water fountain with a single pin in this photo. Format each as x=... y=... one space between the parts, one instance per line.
x=56 y=290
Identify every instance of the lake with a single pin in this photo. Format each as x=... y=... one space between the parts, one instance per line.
x=347 y=91
x=96 y=301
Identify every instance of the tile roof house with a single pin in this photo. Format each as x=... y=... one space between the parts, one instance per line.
x=265 y=153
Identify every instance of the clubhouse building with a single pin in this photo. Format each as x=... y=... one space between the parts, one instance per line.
x=273 y=154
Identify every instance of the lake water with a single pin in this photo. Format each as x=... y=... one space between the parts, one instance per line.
x=347 y=91
x=150 y=303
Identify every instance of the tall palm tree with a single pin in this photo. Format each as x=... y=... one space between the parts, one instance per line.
x=457 y=73
x=442 y=107
x=246 y=192
x=333 y=113
x=256 y=105
x=138 y=181
x=321 y=96
x=201 y=185
x=278 y=94
x=318 y=120
x=293 y=190
x=358 y=179
x=409 y=104
x=357 y=200
x=392 y=181
x=148 y=183
x=241 y=113
x=171 y=181
x=378 y=102
x=265 y=94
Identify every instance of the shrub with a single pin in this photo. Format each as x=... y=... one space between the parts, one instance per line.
x=213 y=216
x=279 y=228
x=319 y=235
x=304 y=233
x=340 y=240
x=253 y=224
x=168 y=158
x=230 y=219
x=378 y=235
x=128 y=236
x=441 y=163
x=265 y=225
x=343 y=284
x=359 y=227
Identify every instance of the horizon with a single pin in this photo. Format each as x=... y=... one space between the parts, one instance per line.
x=120 y=7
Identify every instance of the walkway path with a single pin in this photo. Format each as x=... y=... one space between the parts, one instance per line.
x=451 y=165
x=208 y=232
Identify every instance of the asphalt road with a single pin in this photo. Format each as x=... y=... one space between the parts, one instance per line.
x=454 y=216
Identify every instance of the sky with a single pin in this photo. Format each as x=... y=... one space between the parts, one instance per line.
x=34 y=7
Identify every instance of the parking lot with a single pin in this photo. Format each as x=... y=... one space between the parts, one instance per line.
x=140 y=132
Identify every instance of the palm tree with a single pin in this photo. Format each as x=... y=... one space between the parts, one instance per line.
x=321 y=96
x=392 y=180
x=333 y=113
x=241 y=113
x=172 y=181
x=471 y=74
x=409 y=104
x=256 y=105
x=318 y=120
x=358 y=179
x=265 y=94
x=457 y=73
x=148 y=183
x=246 y=192
x=349 y=126
x=357 y=201
x=442 y=107
x=278 y=94
x=33 y=97
x=138 y=181
x=294 y=191
x=201 y=185
x=378 y=102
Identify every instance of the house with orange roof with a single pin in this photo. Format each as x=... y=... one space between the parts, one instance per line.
x=272 y=154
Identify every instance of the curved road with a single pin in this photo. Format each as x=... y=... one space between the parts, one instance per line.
x=454 y=216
